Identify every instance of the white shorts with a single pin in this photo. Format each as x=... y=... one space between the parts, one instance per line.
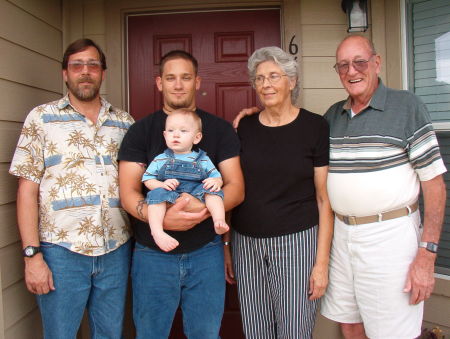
x=368 y=268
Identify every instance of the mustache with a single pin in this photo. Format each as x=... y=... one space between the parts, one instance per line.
x=85 y=78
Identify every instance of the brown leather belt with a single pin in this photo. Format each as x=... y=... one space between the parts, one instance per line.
x=401 y=212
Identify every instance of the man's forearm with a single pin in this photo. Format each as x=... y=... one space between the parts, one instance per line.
x=131 y=197
x=434 y=195
x=28 y=212
x=233 y=179
x=233 y=195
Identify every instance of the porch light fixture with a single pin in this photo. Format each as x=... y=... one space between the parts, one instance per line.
x=356 y=11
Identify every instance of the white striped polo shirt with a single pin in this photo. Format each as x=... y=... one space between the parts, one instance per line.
x=378 y=157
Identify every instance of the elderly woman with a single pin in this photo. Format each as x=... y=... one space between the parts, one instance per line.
x=283 y=229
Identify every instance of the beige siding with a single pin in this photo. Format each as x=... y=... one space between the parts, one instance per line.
x=38 y=36
x=10 y=233
x=323 y=27
x=28 y=327
x=30 y=74
x=17 y=303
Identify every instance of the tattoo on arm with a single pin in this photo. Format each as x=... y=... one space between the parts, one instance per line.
x=139 y=208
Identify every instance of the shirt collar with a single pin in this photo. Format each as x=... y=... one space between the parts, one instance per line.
x=64 y=102
x=378 y=100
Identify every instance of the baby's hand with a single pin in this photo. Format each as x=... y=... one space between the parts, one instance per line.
x=213 y=184
x=171 y=184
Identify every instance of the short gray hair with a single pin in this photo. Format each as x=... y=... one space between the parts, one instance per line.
x=284 y=60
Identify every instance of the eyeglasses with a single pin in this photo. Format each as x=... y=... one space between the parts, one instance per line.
x=273 y=78
x=77 y=66
x=359 y=65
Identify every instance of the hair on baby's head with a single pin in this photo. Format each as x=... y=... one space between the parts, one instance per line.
x=187 y=113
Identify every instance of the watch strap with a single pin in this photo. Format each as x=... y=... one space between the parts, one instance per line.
x=31 y=251
x=429 y=246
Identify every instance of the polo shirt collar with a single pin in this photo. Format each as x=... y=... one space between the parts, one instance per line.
x=378 y=100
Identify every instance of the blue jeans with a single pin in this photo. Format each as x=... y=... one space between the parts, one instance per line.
x=98 y=283
x=163 y=281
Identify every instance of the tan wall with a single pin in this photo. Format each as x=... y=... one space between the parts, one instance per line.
x=31 y=45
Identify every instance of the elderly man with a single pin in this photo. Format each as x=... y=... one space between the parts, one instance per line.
x=74 y=233
x=383 y=149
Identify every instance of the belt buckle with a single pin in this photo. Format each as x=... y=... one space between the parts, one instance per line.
x=350 y=219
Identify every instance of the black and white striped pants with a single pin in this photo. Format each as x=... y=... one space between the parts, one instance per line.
x=273 y=281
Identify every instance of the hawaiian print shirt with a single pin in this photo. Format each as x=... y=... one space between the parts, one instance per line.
x=74 y=161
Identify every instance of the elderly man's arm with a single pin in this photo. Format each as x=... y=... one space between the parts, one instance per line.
x=420 y=280
x=38 y=277
x=177 y=218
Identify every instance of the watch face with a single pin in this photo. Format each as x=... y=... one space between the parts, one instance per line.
x=432 y=247
x=29 y=251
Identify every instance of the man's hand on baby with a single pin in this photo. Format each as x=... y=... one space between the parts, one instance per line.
x=213 y=184
x=171 y=184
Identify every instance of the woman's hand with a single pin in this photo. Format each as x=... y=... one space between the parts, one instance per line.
x=318 y=281
x=229 y=272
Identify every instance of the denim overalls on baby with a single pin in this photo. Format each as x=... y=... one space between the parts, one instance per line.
x=190 y=174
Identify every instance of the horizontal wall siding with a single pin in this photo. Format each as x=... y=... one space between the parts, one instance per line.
x=323 y=27
x=17 y=303
x=10 y=232
x=30 y=68
x=38 y=36
x=24 y=97
x=22 y=329
x=49 y=11
x=30 y=75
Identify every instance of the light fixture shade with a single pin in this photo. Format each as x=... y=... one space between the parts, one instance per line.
x=356 y=11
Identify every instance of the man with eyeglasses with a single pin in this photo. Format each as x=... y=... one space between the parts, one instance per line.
x=75 y=235
x=383 y=149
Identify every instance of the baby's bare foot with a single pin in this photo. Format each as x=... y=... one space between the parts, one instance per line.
x=221 y=226
x=165 y=241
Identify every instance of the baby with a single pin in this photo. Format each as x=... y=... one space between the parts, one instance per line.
x=180 y=169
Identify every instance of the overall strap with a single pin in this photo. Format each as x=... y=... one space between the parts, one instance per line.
x=200 y=155
x=169 y=153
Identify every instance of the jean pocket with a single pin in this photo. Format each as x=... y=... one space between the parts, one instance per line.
x=140 y=248
x=215 y=242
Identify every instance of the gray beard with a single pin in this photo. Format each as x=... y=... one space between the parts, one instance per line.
x=86 y=95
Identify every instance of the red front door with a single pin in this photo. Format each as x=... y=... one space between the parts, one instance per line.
x=222 y=42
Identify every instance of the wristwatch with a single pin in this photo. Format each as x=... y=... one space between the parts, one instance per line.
x=429 y=246
x=31 y=251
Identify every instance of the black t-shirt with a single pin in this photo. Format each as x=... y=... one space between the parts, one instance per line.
x=278 y=165
x=144 y=141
